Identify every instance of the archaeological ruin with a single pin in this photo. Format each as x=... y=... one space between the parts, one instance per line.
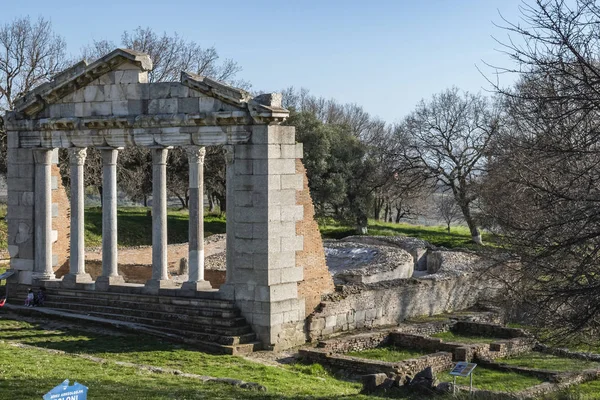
x=109 y=104
x=278 y=289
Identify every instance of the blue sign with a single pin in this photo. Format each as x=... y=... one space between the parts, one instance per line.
x=66 y=392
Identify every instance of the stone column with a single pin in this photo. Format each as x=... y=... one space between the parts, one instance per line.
x=160 y=274
x=43 y=215
x=110 y=272
x=196 y=230
x=77 y=272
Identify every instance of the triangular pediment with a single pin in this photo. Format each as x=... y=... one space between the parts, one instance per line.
x=116 y=86
x=78 y=76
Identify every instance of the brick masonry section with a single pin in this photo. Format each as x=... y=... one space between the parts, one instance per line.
x=61 y=222
x=317 y=279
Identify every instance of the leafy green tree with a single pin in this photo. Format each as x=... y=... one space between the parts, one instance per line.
x=340 y=174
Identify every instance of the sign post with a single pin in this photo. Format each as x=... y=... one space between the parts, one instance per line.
x=66 y=392
x=464 y=369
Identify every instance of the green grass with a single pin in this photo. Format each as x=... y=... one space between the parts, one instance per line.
x=489 y=379
x=458 y=236
x=450 y=336
x=549 y=362
x=3 y=227
x=135 y=226
x=293 y=381
x=389 y=354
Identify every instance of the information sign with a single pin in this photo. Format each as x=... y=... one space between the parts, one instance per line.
x=65 y=392
x=463 y=369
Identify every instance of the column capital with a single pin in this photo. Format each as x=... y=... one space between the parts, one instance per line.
x=196 y=154
x=159 y=155
x=77 y=155
x=43 y=156
x=110 y=154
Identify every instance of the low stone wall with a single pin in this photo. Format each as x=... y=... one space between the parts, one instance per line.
x=390 y=303
x=567 y=353
x=462 y=351
x=372 y=339
x=358 y=342
x=491 y=330
x=360 y=366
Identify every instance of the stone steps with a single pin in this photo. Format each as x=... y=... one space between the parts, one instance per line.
x=215 y=317
x=209 y=323
x=202 y=302
x=243 y=344
x=204 y=309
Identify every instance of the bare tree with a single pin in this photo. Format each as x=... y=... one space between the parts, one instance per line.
x=450 y=135
x=170 y=54
x=542 y=189
x=30 y=54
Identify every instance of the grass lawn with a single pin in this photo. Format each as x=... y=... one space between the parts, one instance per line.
x=458 y=236
x=450 y=336
x=549 y=362
x=389 y=354
x=30 y=373
x=489 y=379
x=135 y=226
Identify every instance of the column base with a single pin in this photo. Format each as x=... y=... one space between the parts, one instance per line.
x=103 y=283
x=227 y=291
x=41 y=276
x=153 y=286
x=196 y=286
x=70 y=281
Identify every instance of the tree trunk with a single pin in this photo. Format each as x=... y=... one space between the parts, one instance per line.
x=101 y=197
x=475 y=234
x=145 y=201
x=211 y=204
x=361 y=225
x=448 y=227
x=181 y=200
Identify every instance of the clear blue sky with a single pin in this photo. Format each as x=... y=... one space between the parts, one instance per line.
x=384 y=55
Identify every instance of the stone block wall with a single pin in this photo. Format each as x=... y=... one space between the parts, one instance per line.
x=20 y=217
x=390 y=303
x=317 y=279
x=262 y=241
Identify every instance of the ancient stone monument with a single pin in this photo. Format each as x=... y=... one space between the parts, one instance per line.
x=109 y=104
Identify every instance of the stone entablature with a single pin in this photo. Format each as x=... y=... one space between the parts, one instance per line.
x=110 y=104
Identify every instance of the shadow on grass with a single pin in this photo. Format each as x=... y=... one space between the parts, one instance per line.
x=134 y=226
x=458 y=237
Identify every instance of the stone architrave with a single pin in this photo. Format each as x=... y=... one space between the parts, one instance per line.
x=110 y=267
x=196 y=280
x=160 y=274
x=43 y=215
x=77 y=272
